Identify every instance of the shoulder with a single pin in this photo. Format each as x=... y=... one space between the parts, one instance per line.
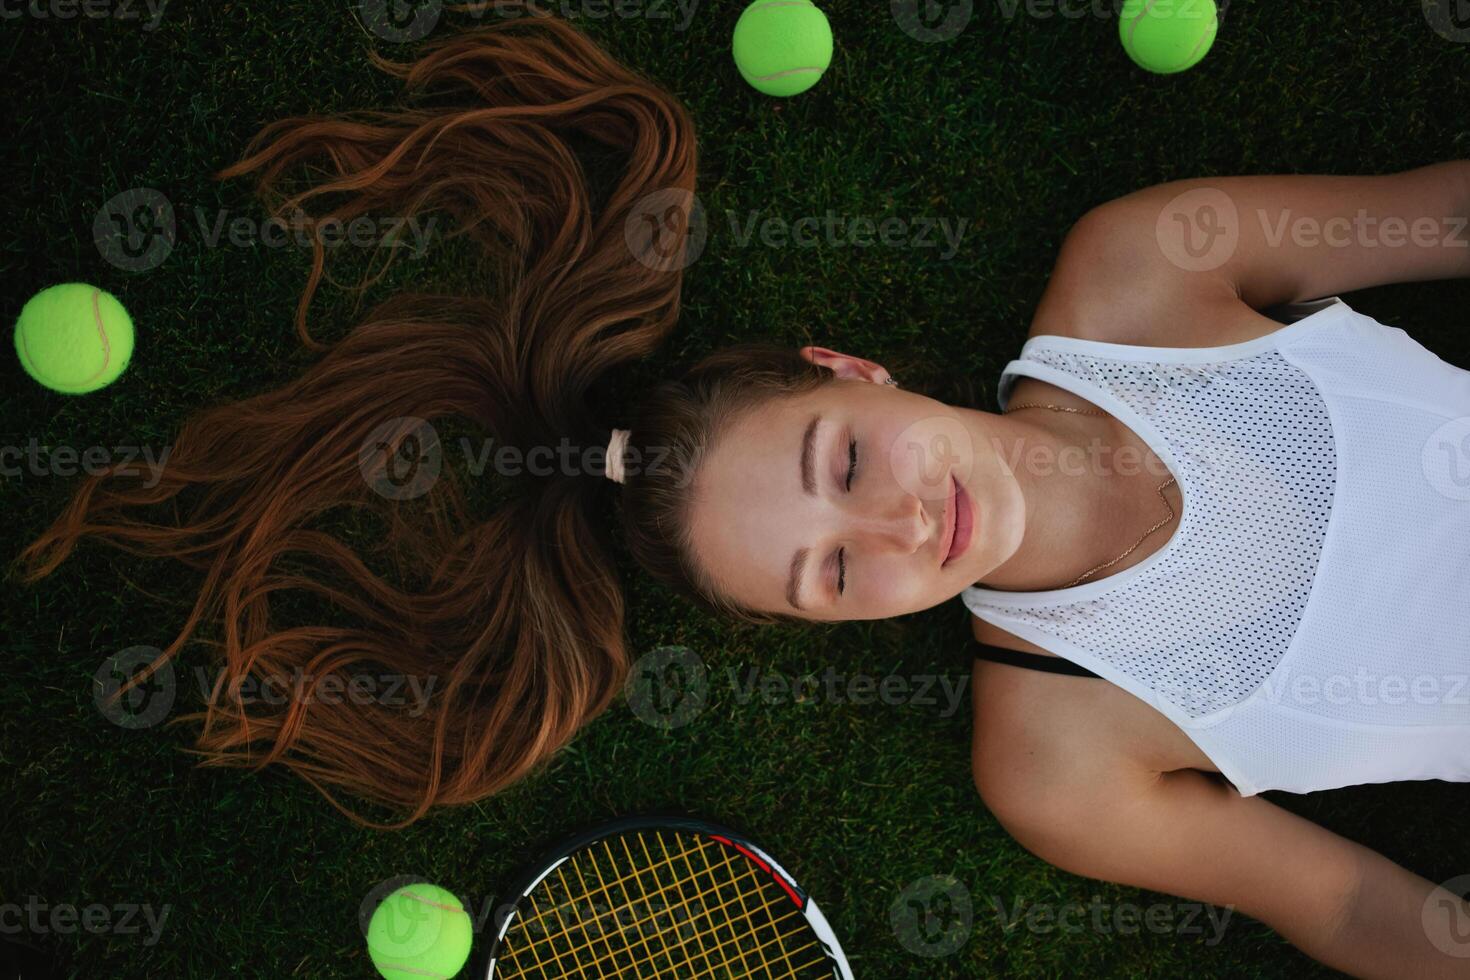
x=1039 y=734
x=1042 y=765
x=1112 y=282
x=1040 y=739
x=1051 y=753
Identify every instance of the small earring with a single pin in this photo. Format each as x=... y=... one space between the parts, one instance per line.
x=890 y=381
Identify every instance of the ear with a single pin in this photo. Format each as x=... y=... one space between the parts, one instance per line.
x=846 y=366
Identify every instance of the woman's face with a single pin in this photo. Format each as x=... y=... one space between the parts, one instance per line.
x=857 y=500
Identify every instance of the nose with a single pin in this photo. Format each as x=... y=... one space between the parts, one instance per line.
x=898 y=522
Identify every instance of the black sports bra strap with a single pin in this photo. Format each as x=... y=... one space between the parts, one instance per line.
x=1031 y=661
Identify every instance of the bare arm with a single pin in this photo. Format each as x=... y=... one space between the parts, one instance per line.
x=1188 y=834
x=1179 y=263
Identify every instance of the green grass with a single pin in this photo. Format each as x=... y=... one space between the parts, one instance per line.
x=1017 y=126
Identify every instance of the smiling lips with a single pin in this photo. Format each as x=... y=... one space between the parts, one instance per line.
x=959 y=515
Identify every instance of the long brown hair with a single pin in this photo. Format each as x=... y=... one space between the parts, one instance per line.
x=518 y=617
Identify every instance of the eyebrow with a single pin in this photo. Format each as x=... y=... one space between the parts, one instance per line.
x=809 y=487
x=809 y=455
x=793 y=584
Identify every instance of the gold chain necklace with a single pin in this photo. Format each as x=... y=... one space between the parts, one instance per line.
x=1160 y=491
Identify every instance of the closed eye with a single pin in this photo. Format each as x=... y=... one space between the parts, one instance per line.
x=852 y=462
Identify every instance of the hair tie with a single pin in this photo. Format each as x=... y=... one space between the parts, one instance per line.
x=616 y=444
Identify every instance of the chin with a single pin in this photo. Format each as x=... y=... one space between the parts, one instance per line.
x=984 y=558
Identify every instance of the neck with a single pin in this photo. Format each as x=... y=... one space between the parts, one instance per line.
x=1089 y=490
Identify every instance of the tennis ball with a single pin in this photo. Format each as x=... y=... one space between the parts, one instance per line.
x=1167 y=36
x=782 y=46
x=74 y=338
x=419 y=932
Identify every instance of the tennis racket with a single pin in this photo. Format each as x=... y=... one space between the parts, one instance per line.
x=662 y=897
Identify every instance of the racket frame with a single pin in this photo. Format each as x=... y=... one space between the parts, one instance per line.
x=507 y=911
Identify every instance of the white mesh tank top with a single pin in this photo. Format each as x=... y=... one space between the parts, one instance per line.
x=1308 y=623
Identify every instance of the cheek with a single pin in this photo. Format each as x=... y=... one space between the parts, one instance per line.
x=899 y=587
x=922 y=455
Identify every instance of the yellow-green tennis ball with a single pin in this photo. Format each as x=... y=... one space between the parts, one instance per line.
x=420 y=932
x=74 y=338
x=782 y=46
x=1166 y=36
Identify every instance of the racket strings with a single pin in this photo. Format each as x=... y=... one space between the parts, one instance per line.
x=659 y=905
x=651 y=956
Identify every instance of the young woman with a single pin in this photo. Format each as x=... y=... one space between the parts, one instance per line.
x=1183 y=497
